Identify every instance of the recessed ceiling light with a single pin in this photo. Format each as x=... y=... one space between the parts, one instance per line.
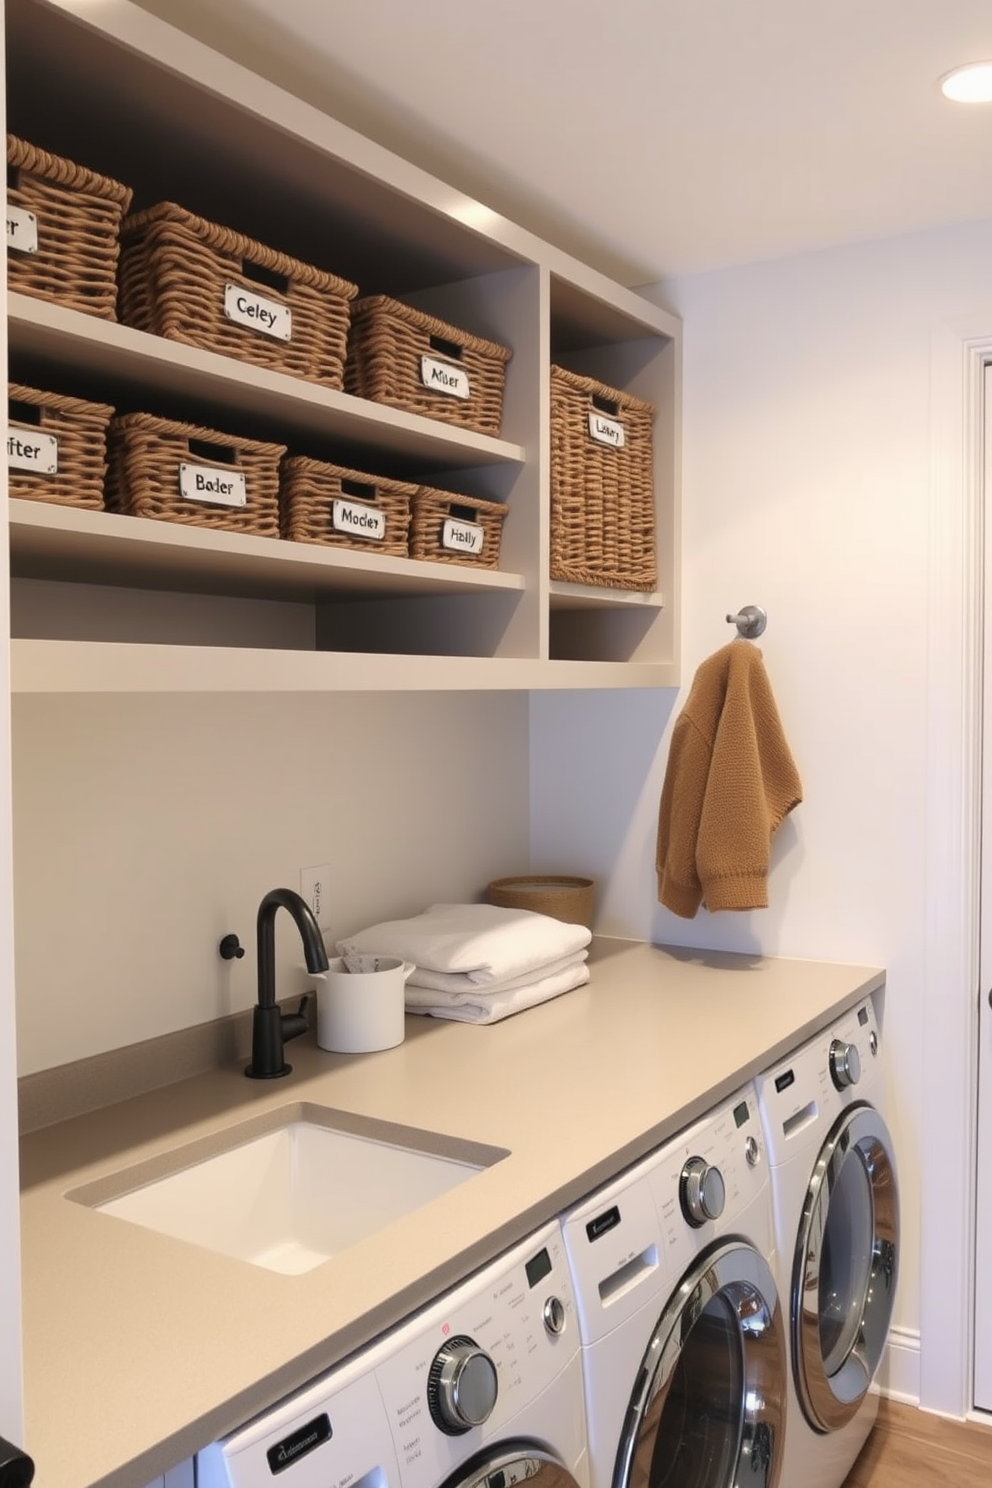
x=972 y=84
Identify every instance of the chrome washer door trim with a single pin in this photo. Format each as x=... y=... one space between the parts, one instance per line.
x=510 y=1464
x=737 y=1279
x=830 y=1392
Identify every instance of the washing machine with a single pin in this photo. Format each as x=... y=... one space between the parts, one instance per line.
x=835 y=1197
x=683 y=1336
x=480 y=1389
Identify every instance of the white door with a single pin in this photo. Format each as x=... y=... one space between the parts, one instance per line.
x=983 y=1218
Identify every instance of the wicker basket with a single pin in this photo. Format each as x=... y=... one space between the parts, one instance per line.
x=62 y=454
x=558 y=895
x=329 y=504
x=602 y=493
x=68 y=218
x=154 y=465
x=196 y=282
x=456 y=529
x=410 y=360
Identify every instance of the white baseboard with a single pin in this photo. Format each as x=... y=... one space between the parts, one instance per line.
x=899 y=1374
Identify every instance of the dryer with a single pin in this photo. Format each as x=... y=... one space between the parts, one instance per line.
x=481 y=1389
x=836 y=1203
x=683 y=1342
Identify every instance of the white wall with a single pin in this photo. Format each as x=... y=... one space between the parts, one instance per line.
x=147 y=827
x=807 y=489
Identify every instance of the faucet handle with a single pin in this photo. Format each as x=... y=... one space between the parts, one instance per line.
x=294 y=1024
x=231 y=948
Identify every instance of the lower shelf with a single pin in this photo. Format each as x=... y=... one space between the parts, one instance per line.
x=105 y=666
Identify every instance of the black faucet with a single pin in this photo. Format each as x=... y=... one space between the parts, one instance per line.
x=270 y=1027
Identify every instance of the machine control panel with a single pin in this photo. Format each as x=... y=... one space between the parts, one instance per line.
x=819 y=1080
x=464 y=1367
x=705 y=1182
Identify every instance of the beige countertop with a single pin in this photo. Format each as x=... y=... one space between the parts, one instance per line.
x=139 y=1349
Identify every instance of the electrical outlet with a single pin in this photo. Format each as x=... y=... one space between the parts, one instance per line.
x=314 y=887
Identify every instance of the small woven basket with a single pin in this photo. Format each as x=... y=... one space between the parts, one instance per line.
x=411 y=360
x=153 y=463
x=554 y=894
x=456 y=529
x=68 y=218
x=56 y=447
x=602 y=494
x=331 y=505
x=194 y=281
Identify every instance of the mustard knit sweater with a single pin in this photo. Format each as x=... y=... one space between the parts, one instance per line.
x=729 y=783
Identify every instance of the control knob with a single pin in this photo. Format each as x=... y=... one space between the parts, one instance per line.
x=845 y=1064
x=554 y=1316
x=461 y=1386
x=701 y=1192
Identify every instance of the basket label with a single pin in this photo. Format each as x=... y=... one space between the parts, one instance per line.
x=359 y=520
x=29 y=450
x=22 y=230
x=212 y=486
x=442 y=377
x=463 y=537
x=248 y=309
x=606 y=431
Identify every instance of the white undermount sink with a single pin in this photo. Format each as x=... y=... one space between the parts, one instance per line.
x=290 y=1190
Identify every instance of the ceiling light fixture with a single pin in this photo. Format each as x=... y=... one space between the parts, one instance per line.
x=971 y=84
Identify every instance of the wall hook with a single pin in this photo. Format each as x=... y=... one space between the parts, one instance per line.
x=750 y=621
x=231 y=948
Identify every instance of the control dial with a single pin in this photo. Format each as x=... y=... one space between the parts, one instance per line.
x=554 y=1316
x=461 y=1386
x=845 y=1064
x=701 y=1192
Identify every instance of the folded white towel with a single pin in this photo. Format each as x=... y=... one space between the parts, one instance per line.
x=486 y=943
x=457 y=981
x=491 y=1007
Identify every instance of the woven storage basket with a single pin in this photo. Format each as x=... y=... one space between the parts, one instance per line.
x=71 y=472
x=146 y=460
x=184 y=278
x=325 y=504
x=602 y=496
x=406 y=358
x=77 y=217
x=440 y=516
x=558 y=895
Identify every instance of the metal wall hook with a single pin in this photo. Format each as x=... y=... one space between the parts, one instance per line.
x=750 y=621
x=231 y=948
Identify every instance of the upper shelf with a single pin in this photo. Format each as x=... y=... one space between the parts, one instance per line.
x=128 y=362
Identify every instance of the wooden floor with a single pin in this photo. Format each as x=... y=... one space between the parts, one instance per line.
x=910 y=1448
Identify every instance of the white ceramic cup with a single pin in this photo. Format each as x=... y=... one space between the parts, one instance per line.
x=360 y=1011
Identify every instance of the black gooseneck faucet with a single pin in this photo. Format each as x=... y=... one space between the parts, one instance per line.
x=270 y=1027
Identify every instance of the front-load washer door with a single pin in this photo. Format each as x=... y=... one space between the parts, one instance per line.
x=846 y=1264
x=511 y=1464
x=708 y=1407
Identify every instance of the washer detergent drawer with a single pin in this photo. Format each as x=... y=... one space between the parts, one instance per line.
x=334 y=1431
x=615 y=1253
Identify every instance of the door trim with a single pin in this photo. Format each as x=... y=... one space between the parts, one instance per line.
x=959 y=351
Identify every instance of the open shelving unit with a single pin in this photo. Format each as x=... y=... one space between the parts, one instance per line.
x=117 y=89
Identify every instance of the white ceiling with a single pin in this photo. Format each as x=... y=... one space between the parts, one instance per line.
x=654 y=137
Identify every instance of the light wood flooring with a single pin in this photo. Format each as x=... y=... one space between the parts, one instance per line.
x=911 y=1448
